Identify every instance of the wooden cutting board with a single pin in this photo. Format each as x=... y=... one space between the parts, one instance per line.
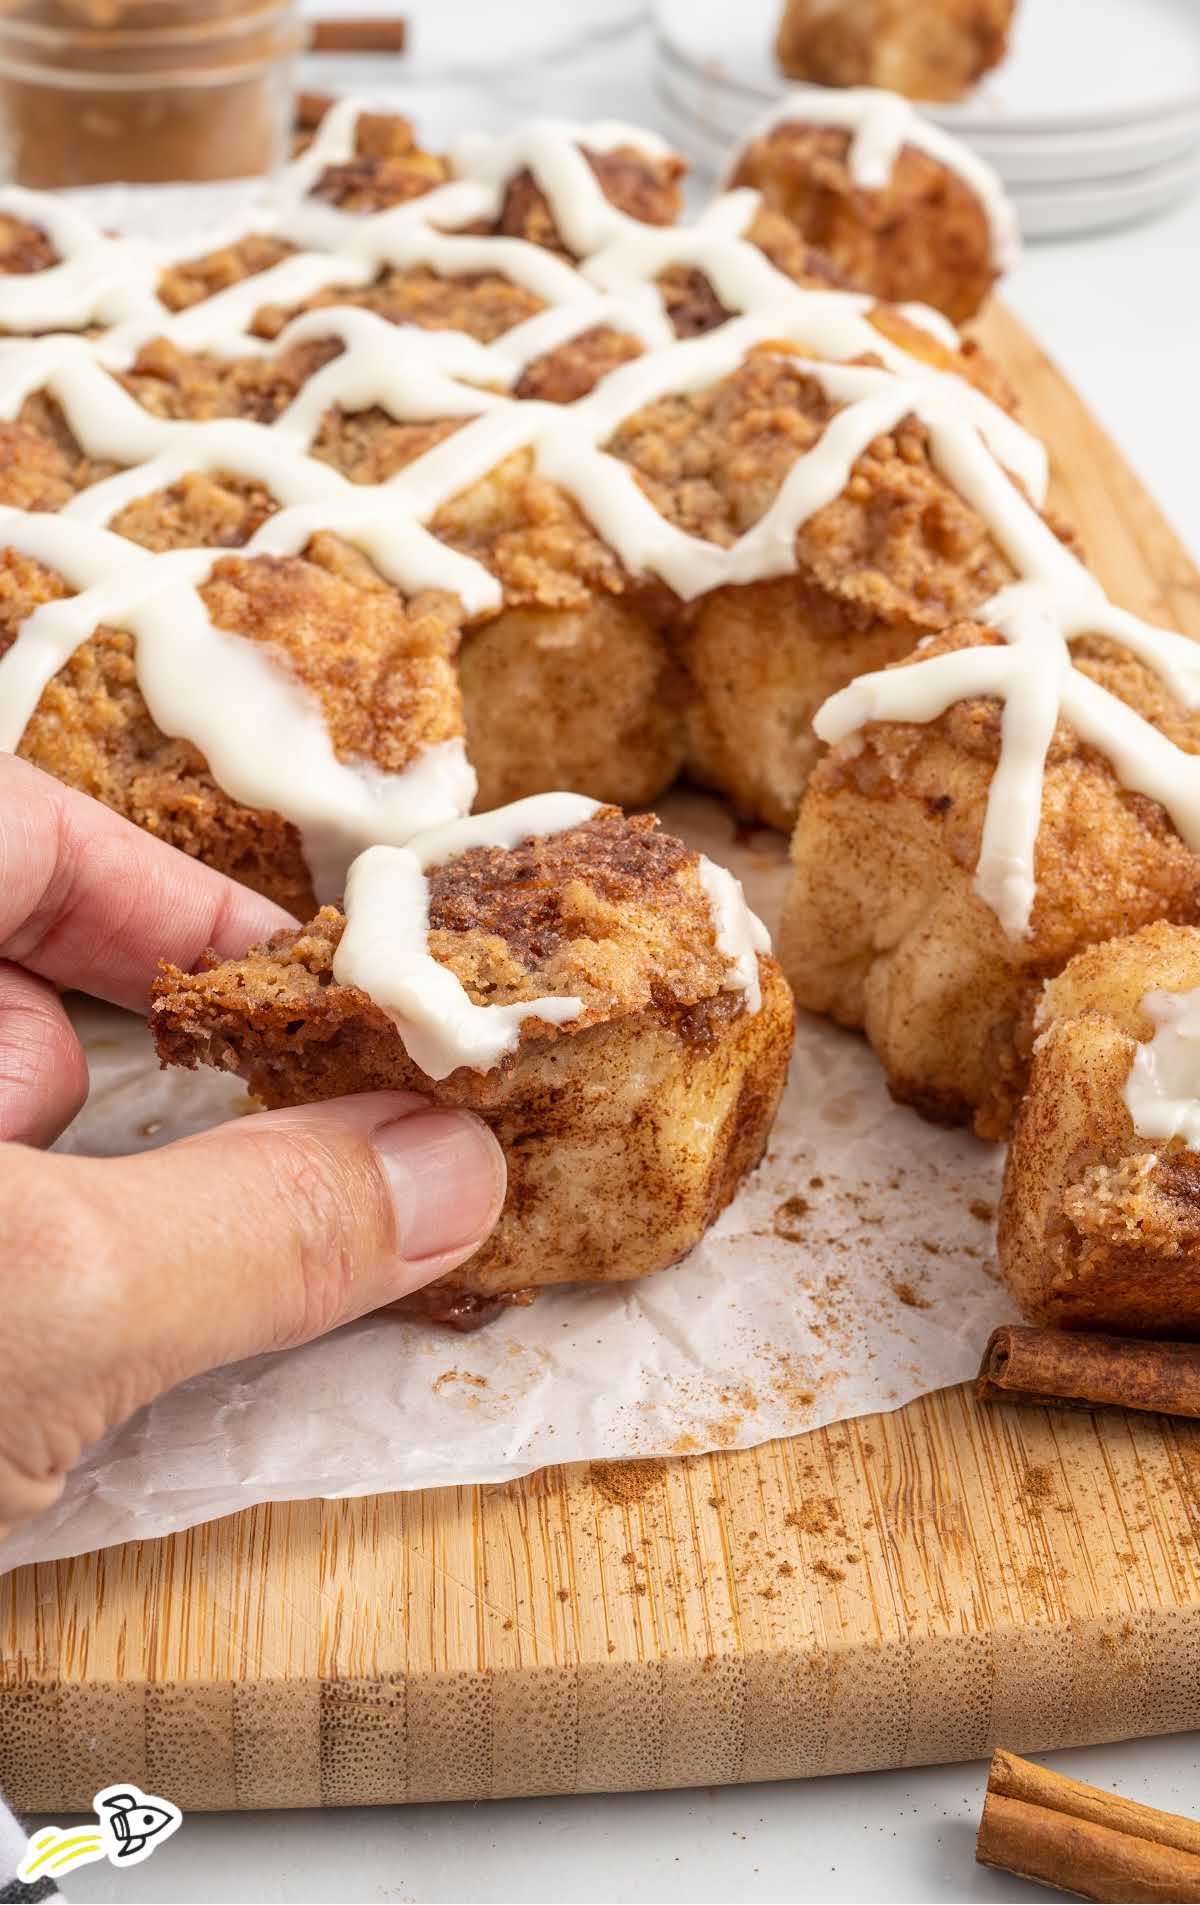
x=902 y=1588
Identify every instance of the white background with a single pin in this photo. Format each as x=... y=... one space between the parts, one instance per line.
x=1120 y=312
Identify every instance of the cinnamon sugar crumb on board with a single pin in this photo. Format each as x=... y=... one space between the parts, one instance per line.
x=622 y=1483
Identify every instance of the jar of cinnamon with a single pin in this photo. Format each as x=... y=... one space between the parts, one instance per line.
x=93 y=91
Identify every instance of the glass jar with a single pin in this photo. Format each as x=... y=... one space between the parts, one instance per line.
x=93 y=91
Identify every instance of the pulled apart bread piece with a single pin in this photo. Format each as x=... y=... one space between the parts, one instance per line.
x=901 y=208
x=910 y=913
x=613 y=1016
x=926 y=49
x=1100 y=1217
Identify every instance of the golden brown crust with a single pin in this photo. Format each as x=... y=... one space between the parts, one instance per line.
x=389 y=167
x=195 y=279
x=216 y=510
x=688 y=295
x=884 y=930
x=806 y=264
x=381 y=667
x=483 y=304
x=535 y=540
x=1100 y=1228
x=923 y=236
x=899 y=542
x=575 y=368
x=38 y=468
x=611 y=912
x=927 y=49
x=191 y=386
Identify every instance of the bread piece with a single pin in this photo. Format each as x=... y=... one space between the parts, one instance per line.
x=1100 y=1227
x=924 y=235
x=883 y=927
x=895 y=556
x=626 y=1130
x=926 y=49
x=380 y=667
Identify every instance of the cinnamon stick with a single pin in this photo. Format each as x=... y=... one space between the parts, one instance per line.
x=1058 y=1367
x=1057 y=1831
x=366 y=33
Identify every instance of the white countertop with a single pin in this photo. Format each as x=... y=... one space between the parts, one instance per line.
x=868 y=1836
x=1120 y=312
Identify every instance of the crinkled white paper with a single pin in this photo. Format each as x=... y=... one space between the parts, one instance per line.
x=853 y=1271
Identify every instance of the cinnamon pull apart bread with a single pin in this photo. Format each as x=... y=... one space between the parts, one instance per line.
x=592 y=988
x=1014 y=792
x=608 y=498
x=927 y=49
x=1100 y=1217
x=903 y=209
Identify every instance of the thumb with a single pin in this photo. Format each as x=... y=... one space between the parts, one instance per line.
x=124 y=1276
x=272 y=1229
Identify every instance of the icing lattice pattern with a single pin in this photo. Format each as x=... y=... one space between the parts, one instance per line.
x=193 y=675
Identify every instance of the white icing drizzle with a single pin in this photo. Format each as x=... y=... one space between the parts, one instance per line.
x=261 y=732
x=414 y=374
x=1031 y=672
x=567 y=440
x=384 y=948
x=551 y=150
x=619 y=255
x=740 y=934
x=881 y=124
x=98 y=279
x=1162 y=1091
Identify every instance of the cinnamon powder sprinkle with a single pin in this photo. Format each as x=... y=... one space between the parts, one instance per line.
x=905 y=1293
x=620 y=1483
x=787 y=1219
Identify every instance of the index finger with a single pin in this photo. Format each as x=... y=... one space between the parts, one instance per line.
x=88 y=900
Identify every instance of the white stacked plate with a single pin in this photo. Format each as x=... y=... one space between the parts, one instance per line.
x=1093 y=120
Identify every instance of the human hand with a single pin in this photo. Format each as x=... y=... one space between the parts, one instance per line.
x=120 y=1277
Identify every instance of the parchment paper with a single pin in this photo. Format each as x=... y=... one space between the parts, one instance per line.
x=853 y=1271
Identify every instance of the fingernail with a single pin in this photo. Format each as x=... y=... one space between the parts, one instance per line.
x=447 y=1177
